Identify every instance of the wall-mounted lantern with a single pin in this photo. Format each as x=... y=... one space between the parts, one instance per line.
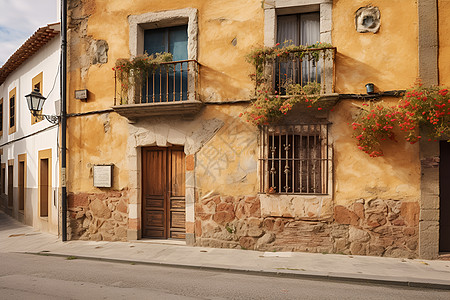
x=35 y=102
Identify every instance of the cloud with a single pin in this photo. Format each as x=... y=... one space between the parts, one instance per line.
x=20 y=19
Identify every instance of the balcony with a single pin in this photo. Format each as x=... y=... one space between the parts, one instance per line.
x=171 y=88
x=310 y=70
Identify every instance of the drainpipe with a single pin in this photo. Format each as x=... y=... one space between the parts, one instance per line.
x=63 y=117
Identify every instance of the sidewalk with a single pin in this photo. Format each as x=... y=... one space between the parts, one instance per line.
x=16 y=237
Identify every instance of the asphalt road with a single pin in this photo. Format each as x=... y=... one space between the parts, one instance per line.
x=25 y=276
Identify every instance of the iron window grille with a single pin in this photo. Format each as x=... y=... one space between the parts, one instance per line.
x=294 y=159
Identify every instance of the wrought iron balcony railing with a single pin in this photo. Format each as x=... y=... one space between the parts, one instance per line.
x=312 y=69
x=169 y=82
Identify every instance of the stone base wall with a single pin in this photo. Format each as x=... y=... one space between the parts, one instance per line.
x=98 y=216
x=375 y=227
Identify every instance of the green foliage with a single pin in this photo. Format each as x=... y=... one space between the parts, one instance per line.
x=230 y=228
x=132 y=72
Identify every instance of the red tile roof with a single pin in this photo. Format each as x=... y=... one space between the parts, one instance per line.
x=40 y=38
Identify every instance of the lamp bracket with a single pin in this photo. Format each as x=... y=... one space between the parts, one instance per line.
x=54 y=119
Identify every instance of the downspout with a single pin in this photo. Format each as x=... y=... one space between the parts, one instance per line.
x=63 y=117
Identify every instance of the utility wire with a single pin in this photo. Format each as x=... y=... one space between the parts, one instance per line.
x=54 y=81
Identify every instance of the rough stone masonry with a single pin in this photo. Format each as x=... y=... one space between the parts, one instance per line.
x=376 y=227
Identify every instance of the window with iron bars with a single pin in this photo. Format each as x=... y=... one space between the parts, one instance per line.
x=294 y=159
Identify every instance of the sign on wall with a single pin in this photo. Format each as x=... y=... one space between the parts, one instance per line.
x=103 y=175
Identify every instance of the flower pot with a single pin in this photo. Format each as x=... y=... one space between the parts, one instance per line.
x=370 y=88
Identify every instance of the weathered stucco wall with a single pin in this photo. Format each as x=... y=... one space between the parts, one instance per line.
x=358 y=176
x=224 y=70
x=230 y=158
x=222 y=56
x=387 y=58
x=373 y=206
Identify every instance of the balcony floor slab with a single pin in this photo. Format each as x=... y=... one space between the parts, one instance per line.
x=136 y=111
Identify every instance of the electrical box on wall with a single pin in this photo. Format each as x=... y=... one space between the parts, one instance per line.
x=103 y=175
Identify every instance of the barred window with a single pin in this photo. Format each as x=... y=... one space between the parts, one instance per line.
x=294 y=159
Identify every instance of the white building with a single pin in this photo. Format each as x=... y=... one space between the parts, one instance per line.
x=29 y=177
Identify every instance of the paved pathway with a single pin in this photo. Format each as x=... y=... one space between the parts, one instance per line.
x=15 y=237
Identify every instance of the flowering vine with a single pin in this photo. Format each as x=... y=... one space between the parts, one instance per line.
x=270 y=104
x=427 y=108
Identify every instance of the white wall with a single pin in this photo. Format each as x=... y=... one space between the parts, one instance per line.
x=26 y=139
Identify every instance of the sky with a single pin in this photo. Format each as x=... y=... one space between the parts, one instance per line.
x=20 y=19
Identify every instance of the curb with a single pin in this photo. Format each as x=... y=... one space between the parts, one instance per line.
x=347 y=278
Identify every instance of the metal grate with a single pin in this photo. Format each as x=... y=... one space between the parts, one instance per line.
x=294 y=159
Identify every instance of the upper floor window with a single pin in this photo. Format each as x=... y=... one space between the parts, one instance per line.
x=301 y=29
x=12 y=111
x=168 y=82
x=1 y=116
x=298 y=29
x=36 y=84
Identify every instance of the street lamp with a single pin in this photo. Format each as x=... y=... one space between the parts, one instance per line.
x=35 y=102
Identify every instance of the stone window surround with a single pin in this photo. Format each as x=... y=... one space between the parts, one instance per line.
x=273 y=8
x=301 y=207
x=280 y=7
x=152 y=20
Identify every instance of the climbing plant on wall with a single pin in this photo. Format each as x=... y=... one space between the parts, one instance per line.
x=427 y=108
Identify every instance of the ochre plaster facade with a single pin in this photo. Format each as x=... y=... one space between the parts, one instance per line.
x=373 y=206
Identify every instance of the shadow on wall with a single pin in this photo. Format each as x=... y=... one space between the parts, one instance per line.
x=230 y=87
x=352 y=75
x=7 y=223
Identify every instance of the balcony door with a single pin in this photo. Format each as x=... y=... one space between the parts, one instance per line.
x=169 y=82
x=298 y=29
x=163 y=193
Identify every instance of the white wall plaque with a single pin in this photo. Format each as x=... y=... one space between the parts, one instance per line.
x=81 y=94
x=103 y=175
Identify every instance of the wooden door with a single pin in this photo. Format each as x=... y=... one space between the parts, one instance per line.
x=21 y=185
x=163 y=186
x=10 y=185
x=44 y=188
x=444 y=194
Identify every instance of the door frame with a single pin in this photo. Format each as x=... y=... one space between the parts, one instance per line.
x=429 y=155
x=166 y=165
x=45 y=154
x=22 y=158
